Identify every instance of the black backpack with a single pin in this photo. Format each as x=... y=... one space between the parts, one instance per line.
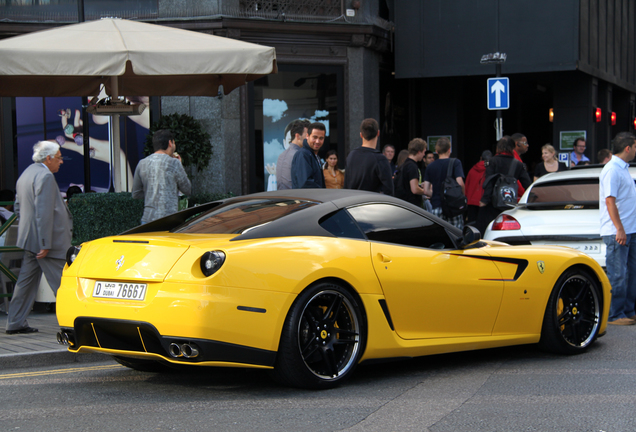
x=453 y=199
x=505 y=193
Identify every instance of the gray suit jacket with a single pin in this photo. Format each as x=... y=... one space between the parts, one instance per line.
x=44 y=220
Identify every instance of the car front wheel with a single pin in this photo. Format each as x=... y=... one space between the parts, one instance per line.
x=323 y=338
x=573 y=315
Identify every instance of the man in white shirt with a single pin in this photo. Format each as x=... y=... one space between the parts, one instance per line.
x=617 y=195
x=577 y=153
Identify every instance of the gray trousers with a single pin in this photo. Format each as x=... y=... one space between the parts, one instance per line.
x=26 y=288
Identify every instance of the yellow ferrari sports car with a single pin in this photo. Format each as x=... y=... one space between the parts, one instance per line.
x=309 y=283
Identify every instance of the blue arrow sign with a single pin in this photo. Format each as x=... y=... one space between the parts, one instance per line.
x=498 y=90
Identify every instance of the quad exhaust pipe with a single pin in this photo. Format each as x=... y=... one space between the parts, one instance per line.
x=65 y=338
x=186 y=350
x=176 y=350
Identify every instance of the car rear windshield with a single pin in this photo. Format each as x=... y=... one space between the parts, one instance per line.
x=238 y=217
x=567 y=194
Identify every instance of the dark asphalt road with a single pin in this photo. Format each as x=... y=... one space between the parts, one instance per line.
x=508 y=389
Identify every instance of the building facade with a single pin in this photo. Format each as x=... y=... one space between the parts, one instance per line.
x=414 y=65
x=572 y=57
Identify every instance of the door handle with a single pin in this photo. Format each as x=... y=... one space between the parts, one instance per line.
x=384 y=258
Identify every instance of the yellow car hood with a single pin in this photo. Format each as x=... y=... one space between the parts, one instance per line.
x=149 y=257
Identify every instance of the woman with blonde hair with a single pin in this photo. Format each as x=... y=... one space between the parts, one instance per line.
x=334 y=177
x=550 y=162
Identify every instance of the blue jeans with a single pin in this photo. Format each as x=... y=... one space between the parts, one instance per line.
x=620 y=262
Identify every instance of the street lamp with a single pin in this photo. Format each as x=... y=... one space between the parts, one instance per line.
x=497 y=59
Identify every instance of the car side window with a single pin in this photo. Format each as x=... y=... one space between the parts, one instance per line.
x=392 y=224
x=340 y=224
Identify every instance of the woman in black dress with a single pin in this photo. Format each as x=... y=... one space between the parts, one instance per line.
x=550 y=162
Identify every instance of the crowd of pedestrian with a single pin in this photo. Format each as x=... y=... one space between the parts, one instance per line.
x=418 y=174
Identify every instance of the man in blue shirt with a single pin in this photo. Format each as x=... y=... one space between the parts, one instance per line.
x=577 y=154
x=617 y=195
x=306 y=170
x=435 y=175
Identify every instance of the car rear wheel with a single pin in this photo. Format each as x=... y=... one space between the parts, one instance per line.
x=573 y=315
x=141 y=364
x=323 y=338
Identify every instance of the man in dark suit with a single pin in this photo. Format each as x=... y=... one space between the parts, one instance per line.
x=306 y=171
x=44 y=232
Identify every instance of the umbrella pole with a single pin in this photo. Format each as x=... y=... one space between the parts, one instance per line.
x=87 y=146
x=85 y=131
x=115 y=144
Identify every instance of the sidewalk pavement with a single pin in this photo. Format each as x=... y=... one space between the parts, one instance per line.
x=38 y=349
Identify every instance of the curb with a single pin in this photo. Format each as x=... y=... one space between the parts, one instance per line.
x=49 y=358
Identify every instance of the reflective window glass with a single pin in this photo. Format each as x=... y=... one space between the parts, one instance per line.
x=340 y=224
x=392 y=224
x=572 y=191
x=237 y=218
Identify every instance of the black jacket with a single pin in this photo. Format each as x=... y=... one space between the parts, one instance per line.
x=306 y=171
x=500 y=164
x=369 y=170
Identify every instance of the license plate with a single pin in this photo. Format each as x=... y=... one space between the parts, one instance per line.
x=119 y=290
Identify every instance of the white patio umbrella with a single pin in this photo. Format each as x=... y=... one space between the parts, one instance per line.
x=128 y=58
x=145 y=60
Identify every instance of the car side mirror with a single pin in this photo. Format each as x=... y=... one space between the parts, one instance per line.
x=470 y=235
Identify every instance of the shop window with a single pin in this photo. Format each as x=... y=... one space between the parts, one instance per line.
x=294 y=93
x=58 y=119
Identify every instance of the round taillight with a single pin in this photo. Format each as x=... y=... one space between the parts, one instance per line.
x=505 y=222
x=211 y=262
x=71 y=254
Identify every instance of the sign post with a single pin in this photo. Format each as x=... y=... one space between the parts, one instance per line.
x=499 y=90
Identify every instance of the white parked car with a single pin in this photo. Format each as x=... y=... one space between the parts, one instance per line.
x=560 y=208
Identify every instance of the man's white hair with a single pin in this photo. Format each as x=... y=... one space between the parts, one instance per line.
x=42 y=149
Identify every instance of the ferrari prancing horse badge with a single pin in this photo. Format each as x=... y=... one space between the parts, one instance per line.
x=541 y=266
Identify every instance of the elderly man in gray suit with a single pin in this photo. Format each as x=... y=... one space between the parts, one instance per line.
x=44 y=232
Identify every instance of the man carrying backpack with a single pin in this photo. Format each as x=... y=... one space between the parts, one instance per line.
x=500 y=185
x=434 y=179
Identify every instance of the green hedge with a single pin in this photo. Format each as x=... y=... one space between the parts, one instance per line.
x=97 y=215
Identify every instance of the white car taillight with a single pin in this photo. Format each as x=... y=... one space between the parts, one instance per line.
x=505 y=222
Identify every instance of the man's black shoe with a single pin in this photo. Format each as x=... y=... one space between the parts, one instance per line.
x=23 y=330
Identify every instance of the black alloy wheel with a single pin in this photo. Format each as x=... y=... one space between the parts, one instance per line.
x=573 y=314
x=323 y=338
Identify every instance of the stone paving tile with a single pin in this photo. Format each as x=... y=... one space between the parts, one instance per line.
x=43 y=341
